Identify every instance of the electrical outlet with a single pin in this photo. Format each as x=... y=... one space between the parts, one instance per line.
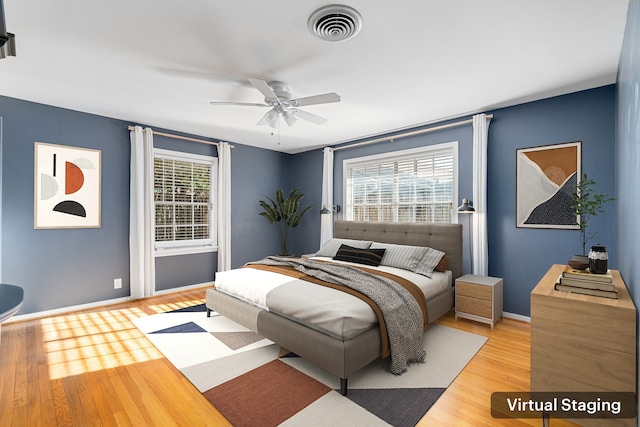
x=117 y=283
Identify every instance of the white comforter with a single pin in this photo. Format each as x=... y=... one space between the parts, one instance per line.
x=333 y=312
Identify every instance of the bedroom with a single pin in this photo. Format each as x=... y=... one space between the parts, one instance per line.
x=84 y=272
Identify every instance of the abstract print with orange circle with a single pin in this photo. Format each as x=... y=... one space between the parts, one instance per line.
x=68 y=186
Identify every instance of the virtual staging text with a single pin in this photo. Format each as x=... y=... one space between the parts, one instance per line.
x=563 y=405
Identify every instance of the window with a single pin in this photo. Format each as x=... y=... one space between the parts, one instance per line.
x=184 y=195
x=417 y=185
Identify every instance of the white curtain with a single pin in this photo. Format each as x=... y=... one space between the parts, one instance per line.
x=224 y=206
x=480 y=240
x=141 y=215
x=326 y=221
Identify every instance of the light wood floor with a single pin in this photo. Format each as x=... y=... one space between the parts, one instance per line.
x=94 y=368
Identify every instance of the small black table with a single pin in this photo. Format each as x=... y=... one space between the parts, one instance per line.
x=11 y=298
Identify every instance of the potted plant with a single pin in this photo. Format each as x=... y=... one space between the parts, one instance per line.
x=284 y=214
x=586 y=204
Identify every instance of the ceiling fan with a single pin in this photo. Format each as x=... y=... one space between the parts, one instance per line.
x=278 y=96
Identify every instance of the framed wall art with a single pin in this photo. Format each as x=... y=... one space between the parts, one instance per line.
x=546 y=178
x=67 y=187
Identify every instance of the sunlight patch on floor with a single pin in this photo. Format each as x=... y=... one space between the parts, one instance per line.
x=163 y=308
x=86 y=342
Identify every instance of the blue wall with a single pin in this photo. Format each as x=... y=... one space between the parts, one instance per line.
x=60 y=268
x=306 y=174
x=519 y=256
x=628 y=157
x=628 y=154
x=63 y=267
x=68 y=267
x=255 y=174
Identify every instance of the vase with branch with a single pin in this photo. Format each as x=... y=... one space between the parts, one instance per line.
x=284 y=214
x=586 y=204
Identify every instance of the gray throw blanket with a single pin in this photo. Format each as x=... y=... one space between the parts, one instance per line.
x=401 y=312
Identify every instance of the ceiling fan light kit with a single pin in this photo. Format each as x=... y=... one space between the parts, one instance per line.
x=270 y=118
x=289 y=117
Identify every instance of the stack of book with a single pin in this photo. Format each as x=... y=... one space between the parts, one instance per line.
x=583 y=282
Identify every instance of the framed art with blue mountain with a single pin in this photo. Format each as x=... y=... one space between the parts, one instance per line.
x=546 y=178
x=67 y=187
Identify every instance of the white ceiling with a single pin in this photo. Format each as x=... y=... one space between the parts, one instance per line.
x=159 y=63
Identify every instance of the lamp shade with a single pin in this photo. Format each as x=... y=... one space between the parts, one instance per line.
x=272 y=118
x=327 y=209
x=466 y=207
x=289 y=117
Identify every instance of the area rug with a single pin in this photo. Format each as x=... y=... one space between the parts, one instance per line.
x=252 y=381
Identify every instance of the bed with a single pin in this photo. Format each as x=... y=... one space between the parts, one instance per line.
x=339 y=354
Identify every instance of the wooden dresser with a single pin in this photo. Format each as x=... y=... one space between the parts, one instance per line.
x=582 y=342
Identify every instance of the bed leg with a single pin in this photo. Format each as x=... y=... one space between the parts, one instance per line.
x=343 y=386
x=208 y=312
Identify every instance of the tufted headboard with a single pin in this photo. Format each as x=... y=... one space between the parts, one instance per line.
x=444 y=237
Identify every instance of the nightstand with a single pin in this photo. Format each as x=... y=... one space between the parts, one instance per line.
x=479 y=298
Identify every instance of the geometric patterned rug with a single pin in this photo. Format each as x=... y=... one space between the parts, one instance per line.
x=252 y=382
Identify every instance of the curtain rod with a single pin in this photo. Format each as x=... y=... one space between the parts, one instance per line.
x=184 y=138
x=412 y=133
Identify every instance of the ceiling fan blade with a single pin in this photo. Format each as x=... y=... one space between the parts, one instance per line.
x=263 y=120
x=240 y=104
x=264 y=88
x=313 y=118
x=325 y=98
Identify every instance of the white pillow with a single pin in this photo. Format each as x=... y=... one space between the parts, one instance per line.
x=331 y=247
x=418 y=259
x=400 y=256
x=428 y=262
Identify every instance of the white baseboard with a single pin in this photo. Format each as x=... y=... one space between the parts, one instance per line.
x=65 y=310
x=516 y=317
x=183 y=288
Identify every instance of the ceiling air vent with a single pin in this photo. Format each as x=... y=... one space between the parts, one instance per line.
x=335 y=23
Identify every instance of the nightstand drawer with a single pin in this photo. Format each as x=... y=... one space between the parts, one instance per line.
x=474 y=291
x=474 y=306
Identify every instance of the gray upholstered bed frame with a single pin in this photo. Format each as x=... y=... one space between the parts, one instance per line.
x=343 y=358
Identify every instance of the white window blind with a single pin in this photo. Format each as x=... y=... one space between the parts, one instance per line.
x=184 y=189
x=406 y=186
